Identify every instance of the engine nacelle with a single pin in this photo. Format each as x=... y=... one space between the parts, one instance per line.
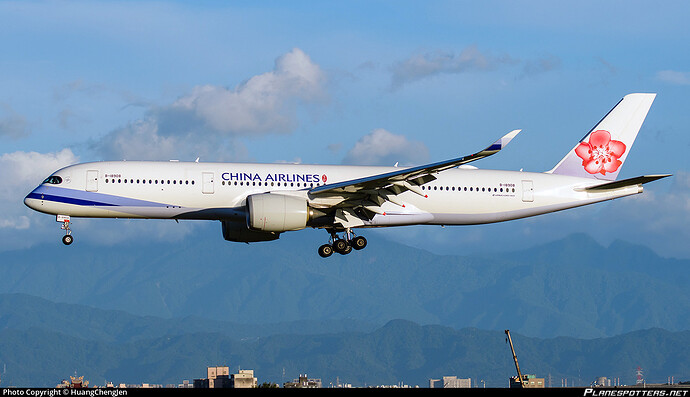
x=270 y=212
x=238 y=232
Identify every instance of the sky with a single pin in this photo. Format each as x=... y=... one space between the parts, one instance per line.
x=359 y=82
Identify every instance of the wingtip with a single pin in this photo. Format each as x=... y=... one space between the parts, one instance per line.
x=512 y=134
x=505 y=140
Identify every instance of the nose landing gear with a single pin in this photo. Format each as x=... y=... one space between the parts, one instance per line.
x=342 y=245
x=67 y=239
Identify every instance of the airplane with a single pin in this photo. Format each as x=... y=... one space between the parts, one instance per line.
x=258 y=202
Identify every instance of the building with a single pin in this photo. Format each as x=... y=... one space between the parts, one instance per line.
x=214 y=373
x=220 y=378
x=185 y=385
x=530 y=381
x=244 y=379
x=303 y=383
x=602 y=381
x=450 y=382
x=74 y=383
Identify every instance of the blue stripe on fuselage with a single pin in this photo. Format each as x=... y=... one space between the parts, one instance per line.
x=81 y=197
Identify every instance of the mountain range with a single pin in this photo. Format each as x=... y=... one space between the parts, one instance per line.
x=161 y=313
x=571 y=287
x=109 y=345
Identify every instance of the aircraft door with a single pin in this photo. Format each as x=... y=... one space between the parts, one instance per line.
x=207 y=182
x=527 y=191
x=92 y=180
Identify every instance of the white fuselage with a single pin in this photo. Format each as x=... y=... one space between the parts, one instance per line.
x=218 y=191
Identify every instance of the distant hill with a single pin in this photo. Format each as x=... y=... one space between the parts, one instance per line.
x=572 y=287
x=24 y=312
x=46 y=351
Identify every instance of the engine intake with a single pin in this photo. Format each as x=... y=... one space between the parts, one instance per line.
x=270 y=212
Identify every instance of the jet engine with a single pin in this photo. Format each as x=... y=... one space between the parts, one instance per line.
x=270 y=212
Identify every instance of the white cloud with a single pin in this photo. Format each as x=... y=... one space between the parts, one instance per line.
x=428 y=64
x=142 y=140
x=138 y=140
x=381 y=147
x=20 y=173
x=208 y=121
x=263 y=104
x=542 y=65
x=470 y=59
x=674 y=77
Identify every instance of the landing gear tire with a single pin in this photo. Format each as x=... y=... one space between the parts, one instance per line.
x=358 y=242
x=325 y=250
x=346 y=251
x=67 y=239
x=341 y=246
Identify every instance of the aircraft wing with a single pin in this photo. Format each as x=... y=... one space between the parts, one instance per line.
x=370 y=192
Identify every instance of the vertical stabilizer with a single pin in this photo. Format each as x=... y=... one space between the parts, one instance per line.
x=602 y=152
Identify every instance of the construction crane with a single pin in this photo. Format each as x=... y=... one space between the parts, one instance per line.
x=522 y=383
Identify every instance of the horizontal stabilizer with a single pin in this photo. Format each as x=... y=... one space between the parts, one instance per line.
x=640 y=180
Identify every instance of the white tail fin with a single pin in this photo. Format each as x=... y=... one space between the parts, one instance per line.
x=601 y=153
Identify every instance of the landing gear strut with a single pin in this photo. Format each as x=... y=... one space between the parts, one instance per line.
x=342 y=245
x=67 y=239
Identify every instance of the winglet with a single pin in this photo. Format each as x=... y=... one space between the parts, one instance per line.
x=502 y=142
x=508 y=137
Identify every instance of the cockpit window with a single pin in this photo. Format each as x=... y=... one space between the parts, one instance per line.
x=53 y=180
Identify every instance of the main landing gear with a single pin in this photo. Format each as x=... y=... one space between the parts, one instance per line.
x=67 y=239
x=342 y=245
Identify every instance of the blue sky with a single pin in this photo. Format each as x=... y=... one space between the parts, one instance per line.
x=373 y=82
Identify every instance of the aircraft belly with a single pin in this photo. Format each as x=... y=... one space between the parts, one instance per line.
x=541 y=205
x=400 y=219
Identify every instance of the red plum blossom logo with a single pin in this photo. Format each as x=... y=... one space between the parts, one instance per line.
x=600 y=154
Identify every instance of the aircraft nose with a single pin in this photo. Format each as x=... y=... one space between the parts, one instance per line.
x=30 y=200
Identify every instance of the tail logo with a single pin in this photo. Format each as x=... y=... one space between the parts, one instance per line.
x=601 y=153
